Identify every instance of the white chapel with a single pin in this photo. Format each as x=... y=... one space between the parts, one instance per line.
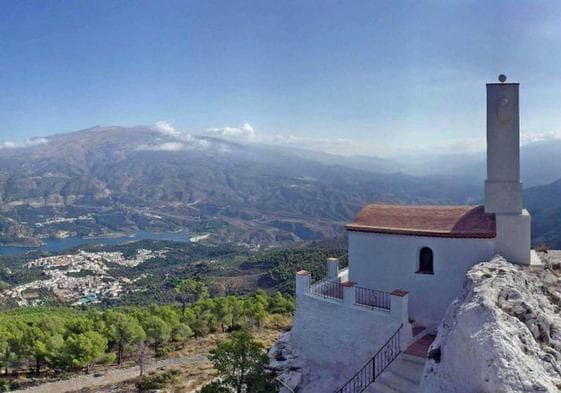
x=407 y=264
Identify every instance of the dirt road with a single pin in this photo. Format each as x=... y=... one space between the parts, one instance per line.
x=111 y=376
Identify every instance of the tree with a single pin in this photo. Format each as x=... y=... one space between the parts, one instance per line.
x=214 y=387
x=4 y=350
x=84 y=349
x=80 y=325
x=157 y=331
x=223 y=312
x=182 y=333
x=242 y=363
x=35 y=338
x=238 y=311
x=53 y=350
x=280 y=304
x=189 y=291
x=258 y=314
x=124 y=331
x=16 y=353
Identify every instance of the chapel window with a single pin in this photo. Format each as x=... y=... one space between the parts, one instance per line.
x=426 y=261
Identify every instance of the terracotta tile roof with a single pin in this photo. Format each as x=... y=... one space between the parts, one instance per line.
x=435 y=221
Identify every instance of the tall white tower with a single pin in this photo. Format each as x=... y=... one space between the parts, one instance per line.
x=503 y=190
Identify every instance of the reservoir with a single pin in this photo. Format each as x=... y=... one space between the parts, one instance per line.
x=56 y=245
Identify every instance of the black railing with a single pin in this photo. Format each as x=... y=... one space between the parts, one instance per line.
x=372 y=298
x=375 y=366
x=328 y=289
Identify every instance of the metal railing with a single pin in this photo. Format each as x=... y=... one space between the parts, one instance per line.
x=327 y=289
x=372 y=298
x=375 y=366
x=284 y=384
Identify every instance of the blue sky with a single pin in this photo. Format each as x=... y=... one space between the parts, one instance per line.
x=383 y=75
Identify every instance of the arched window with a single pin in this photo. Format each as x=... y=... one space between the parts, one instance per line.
x=425 y=261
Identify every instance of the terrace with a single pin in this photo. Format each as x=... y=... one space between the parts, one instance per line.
x=336 y=288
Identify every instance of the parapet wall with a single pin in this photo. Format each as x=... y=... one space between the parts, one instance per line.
x=336 y=337
x=338 y=340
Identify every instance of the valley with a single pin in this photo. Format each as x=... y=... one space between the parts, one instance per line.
x=115 y=181
x=148 y=271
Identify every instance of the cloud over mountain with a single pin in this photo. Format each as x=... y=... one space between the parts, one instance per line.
x=166 y=128
x=246 y=131
x=26 y=143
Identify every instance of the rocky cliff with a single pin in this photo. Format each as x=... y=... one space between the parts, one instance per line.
x=503 y=332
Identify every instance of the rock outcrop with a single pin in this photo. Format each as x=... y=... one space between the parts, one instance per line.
x=502 y=333
x=285 y=362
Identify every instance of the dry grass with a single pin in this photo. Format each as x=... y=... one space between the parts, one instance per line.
x=194 y=376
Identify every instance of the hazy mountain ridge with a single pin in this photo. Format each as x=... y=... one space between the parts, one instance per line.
x=544 y=202
x=141 y=177
x=538 y=166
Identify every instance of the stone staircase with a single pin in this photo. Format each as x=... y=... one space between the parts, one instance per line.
x=404 y=373
x=402 y=376
x=391 y=370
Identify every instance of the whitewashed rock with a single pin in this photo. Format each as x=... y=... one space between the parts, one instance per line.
x=503 y=332
x=285 y=362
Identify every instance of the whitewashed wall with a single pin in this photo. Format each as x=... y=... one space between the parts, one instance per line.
x=336 y=340
x=387 y=262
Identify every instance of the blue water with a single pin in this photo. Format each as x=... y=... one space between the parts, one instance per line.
x=56 y=245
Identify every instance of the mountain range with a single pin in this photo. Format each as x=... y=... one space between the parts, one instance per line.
x=121 y=179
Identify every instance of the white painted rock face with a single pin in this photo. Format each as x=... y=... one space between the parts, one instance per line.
x=503 y=332
x=285 y=362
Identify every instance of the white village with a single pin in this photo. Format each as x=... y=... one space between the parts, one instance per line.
x=371 y=326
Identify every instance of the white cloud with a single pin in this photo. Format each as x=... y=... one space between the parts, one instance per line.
x=246 y=131
x=173 y=139
x=166 y=128
x=329 y=145
x=27 y=143
x=8 y=145
x=167 y=146
x=526 y=138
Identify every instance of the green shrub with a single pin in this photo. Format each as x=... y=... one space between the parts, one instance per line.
x=158 y=381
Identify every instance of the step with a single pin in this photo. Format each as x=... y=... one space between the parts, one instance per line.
x=403 y=376
x=420 y=347
x=413 y=359
x=378 y=387
x=397 y=382
x=416 y=330
x=411 y=371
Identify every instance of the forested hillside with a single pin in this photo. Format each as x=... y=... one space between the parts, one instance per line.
x=45 y=339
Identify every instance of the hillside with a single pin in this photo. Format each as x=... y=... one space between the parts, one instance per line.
x=544 y=202
x=108 y=179
x=535 y=168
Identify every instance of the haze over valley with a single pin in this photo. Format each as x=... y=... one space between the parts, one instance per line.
x=118 y=180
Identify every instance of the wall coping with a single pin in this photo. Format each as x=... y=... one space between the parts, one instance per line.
x=302 y=273
x=399 y=292
x=348 y=284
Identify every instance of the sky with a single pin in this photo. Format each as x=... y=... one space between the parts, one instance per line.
x=353 y=77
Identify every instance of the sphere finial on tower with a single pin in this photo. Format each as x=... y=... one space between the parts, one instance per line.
x=502 y=78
